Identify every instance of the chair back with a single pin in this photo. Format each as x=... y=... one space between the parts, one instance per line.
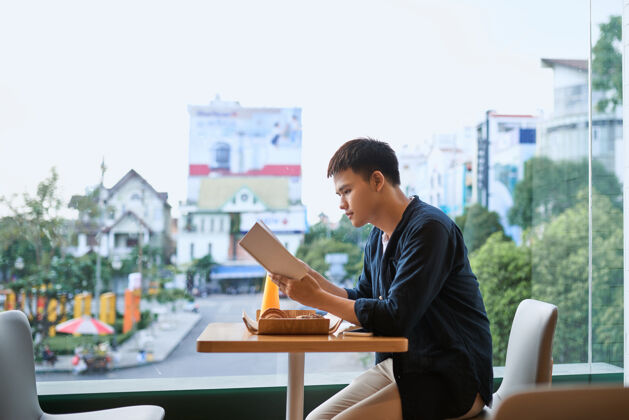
x=584 y=403
x=18 y=392
x=529 y=351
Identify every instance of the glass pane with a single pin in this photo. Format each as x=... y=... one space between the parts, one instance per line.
x=607 y=180
x=488 y=118
x=524 y=224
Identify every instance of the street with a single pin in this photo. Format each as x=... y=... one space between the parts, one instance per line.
x=184 y=361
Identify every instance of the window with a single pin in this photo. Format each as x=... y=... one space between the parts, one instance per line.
x=497 y=74
x=221 y=156
x=131 y=241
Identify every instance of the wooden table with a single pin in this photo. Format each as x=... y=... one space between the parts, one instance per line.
x=234 y=338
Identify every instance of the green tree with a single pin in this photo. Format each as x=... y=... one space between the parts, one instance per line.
x=559 y=254
x=151 y=259
x=87 y=205
x=314 y=255
x=607 y=64
x=78 y=274
x=477 y=224
x=346 y=232
x=201 y=267
x=503 y=270
x=317 y=231
x=36 y=229
x=37 y=221
x=345 y=238
x=12 y=247
x=548 y=188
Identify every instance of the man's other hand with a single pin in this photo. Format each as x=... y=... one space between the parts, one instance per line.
x=305 y=290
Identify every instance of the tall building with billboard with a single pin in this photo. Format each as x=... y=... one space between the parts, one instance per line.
x=244 y=165
x=504 y=143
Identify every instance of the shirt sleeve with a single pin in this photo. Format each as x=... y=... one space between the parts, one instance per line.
x=422 y=269
x=363 y=288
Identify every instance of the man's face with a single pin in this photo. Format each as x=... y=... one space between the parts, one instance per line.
x=357 y=196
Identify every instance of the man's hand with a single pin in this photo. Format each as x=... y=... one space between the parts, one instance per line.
x=324 y=283
x=309 y=292
x=309 y=269
x=305 y=290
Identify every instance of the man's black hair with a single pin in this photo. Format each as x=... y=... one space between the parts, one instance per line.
x=364 y=156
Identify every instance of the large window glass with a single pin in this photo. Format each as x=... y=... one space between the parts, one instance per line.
x=606 y=335
x=140 y=142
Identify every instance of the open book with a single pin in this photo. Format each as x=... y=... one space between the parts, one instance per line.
x=264 y=246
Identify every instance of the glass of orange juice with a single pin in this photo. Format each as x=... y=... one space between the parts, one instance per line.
x=271 y=296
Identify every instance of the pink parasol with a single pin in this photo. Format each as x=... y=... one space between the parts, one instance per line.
x=84 y=325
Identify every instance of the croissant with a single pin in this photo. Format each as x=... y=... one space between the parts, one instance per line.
x=273 y=313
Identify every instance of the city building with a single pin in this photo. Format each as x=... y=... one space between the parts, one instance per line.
x=413 y=168
x=131 y=210
x=244 y=165
x=504 y=143
x=563 y=135
x=439 y=171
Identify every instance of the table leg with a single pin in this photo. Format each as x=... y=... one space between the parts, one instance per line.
x=295 y=389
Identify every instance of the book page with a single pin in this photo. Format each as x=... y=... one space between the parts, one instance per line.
x=264 y=246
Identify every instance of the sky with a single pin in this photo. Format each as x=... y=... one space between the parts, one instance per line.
x=83 y=80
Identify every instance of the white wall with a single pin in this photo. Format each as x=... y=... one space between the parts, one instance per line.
x=208 y=228
x=565 y=77
x=220 y=246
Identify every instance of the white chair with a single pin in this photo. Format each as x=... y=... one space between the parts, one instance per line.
x=529 y=360
x=18 y=392
x=583 y=403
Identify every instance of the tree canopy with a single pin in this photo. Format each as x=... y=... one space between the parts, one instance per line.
x=559 y=255
x=321 y=240
x=548 y=188
x=607 y=64
x=37 y=222
x=503 y=270
x=477 y=224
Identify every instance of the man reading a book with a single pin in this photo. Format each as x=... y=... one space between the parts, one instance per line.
x=417 y=283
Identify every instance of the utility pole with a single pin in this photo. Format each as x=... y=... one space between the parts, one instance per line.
x=140 y=234
x=98 y=285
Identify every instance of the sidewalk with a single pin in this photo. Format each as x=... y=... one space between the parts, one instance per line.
x=158 y=340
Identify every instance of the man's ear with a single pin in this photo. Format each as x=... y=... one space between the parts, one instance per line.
x=377 y=180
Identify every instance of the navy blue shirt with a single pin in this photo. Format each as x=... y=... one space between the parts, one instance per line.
x=423 y=288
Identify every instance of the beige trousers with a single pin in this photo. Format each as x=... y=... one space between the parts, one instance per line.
x=372 y=395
